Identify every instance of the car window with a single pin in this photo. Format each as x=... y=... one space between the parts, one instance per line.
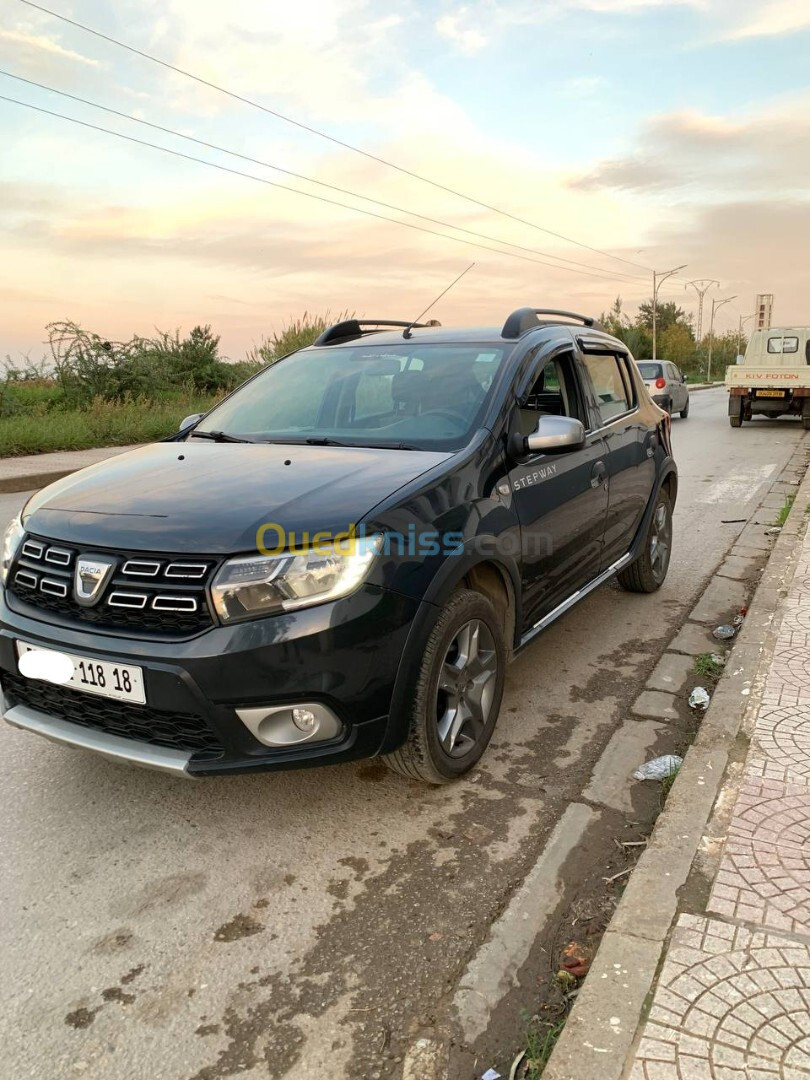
x=552 y=393
x=649 y=371
x=611 y=385
x=783 y=345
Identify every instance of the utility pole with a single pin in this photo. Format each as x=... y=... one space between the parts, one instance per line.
x=658 y=280
x=701 y=287
x=715 y=305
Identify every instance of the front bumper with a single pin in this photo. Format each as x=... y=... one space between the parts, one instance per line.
x=345 y=656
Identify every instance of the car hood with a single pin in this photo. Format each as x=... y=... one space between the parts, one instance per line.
x=211 y=498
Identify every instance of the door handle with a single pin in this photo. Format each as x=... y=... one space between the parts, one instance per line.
x=598 y=474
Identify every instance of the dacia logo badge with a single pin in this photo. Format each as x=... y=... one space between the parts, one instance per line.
x=91 y=575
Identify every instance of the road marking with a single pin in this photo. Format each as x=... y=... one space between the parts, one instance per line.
x=738 y=486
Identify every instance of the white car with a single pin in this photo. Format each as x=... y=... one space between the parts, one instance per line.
x=666 y=384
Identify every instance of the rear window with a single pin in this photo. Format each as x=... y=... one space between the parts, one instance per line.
x=650 y=371
x=783 y=344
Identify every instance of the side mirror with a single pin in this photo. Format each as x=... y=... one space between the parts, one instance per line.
x=684 y=378
x=556 y=435
x=189 y=420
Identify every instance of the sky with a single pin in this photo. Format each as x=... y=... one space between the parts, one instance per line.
x=605 y=138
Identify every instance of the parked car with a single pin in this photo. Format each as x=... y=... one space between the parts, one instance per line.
x=340 y=558
x=667 y=385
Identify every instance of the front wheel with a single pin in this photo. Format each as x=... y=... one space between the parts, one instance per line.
x=457 y=694
x=648 y=572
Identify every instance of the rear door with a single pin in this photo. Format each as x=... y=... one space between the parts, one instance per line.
x=677 y=388
x=629 y=441
x=561 y=499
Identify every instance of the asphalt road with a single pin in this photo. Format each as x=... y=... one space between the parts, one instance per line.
x=310 y=924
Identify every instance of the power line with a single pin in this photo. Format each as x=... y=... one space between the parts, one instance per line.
x=286 y=187
x=324 y=135
x=609 y=274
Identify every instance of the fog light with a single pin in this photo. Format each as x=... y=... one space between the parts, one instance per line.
x=305 y=720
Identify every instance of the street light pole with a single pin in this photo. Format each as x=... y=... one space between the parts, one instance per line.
x=715 y=305
x=658 y=280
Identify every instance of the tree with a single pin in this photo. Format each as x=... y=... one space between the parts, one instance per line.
x=617 y=323
x=677 y=343
x=667 y=315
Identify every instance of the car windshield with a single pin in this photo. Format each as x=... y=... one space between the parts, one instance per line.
x=650 y=371
x=423 y=397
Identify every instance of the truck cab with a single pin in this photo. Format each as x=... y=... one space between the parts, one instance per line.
x=773 y=378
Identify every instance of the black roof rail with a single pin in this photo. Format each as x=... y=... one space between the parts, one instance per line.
x=525 y=318
x=353 y=328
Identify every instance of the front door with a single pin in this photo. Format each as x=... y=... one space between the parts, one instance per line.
x=561 y=499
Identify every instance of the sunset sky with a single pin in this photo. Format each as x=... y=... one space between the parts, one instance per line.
x=661 y=132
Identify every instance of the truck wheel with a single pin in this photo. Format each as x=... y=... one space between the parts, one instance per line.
x=648 y=572
x=735 y=421
x=806 y=423
x=457 y=694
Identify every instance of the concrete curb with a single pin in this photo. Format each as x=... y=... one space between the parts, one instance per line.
x=602 y=1026
x=31 y=482
x=33 y=471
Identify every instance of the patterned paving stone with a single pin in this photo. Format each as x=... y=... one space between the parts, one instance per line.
x=781 y=744
x=769 y=812
x=764 y=884
x=731 y=1004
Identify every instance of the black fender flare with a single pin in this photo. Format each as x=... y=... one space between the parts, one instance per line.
x=452 y=571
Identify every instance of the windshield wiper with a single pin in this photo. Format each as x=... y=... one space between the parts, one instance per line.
x=217 y=436
x=324 y=440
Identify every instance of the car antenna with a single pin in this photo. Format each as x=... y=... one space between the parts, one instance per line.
x=406 y=333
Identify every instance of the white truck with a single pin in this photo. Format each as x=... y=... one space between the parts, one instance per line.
x=773 y=378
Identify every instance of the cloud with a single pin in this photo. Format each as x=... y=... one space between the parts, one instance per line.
x=688 y=154
x=467 y=39
x=37 y=56
x=772 y=19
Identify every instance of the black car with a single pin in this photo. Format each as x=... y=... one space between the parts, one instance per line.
x=339 y=559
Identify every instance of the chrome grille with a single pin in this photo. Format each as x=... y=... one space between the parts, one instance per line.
x=159 y=594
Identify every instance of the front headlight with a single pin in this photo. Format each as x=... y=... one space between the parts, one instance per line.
x=256 y=585
x=11 y=542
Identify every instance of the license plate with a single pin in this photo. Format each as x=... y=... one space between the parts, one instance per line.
x=122 y=682
x=770 y=393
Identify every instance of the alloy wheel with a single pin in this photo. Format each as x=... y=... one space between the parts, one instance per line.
x=660 y=542
x=467 y=680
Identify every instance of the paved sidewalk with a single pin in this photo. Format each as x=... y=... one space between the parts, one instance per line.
x=36 y=470
x=732 y=1001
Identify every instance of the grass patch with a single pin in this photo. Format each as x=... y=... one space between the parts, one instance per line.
x=103 y=423
x=706 y=667
x=783 y=513
x=540 y=1042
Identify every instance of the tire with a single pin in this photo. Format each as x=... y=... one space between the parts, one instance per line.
x=735 y=421
x=648 y=573
x=445 y=686
x=685 y=411
x=806 y=423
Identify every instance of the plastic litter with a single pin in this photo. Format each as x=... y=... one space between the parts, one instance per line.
x=490 y=1074
x=659 y=768
x=773 y=531
x=738 y=620
x=719 y=659
x=699 y=698
x=722 y=633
